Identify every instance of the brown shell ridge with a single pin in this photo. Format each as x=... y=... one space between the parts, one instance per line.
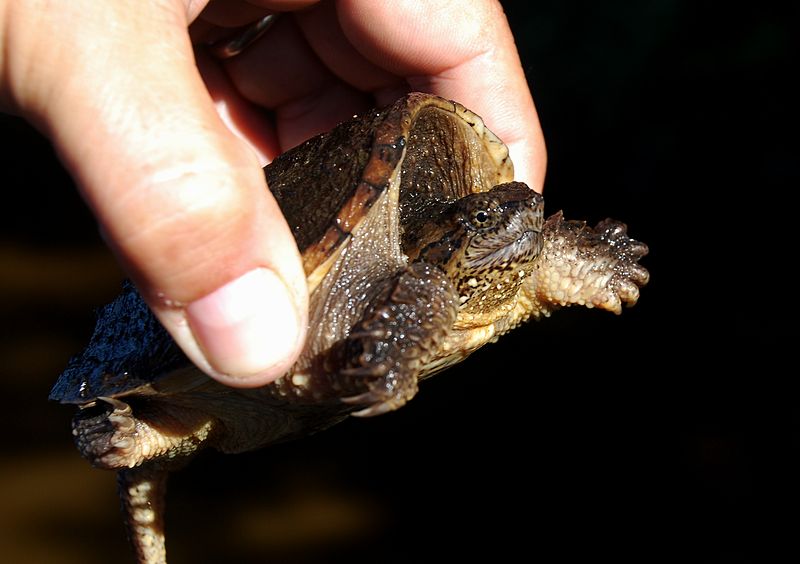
x=353 y=167
x=374 y=182
x=344 y=284
x=388 y=148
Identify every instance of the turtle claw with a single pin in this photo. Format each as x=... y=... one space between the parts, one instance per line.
x=628 y=292
x=367 y=371
x=380 y=403
x=629 y=275
x=386 y=392
x=386 y=349
x=107 y=438
x=638 y=274
x=377 y=409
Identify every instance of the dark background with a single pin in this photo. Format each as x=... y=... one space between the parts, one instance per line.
x=667 y=433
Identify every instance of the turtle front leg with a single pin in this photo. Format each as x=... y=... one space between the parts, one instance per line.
x=400 y=331
x=580 y=265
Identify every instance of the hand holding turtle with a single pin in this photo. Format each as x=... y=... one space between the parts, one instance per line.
x=167 y=143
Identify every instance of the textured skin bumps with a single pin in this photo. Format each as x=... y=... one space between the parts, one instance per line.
x=418 y=247
x=398 y=335
x=591 y=267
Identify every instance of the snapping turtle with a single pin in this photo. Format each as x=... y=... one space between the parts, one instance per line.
x=419 y=248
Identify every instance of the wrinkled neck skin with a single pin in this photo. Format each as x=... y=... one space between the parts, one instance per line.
x=486 y=243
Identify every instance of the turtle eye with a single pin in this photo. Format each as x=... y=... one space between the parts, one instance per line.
x=481 y=218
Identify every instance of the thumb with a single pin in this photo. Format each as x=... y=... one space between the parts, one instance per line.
x=181 y=200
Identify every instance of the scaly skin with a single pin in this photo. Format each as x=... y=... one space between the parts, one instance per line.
x=142 y=492
x=415 y=260
x=116 y=438
x=398 y=341
x=397 y=337
x=469 y=282
x=580 y=265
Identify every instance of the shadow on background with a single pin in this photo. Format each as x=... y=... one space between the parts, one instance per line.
x=666 y=433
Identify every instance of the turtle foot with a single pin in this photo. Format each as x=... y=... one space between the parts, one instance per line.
x=386 y=350
x=595 y=267
x=110 y=435
x=105 y=433
x=387 y=390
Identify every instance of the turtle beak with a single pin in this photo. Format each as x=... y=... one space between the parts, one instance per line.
x=523 y=208
x=517 y=238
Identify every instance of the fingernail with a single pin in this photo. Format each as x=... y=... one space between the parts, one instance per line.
x=248 y=329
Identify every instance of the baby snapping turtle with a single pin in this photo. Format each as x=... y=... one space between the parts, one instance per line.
x=419 y=248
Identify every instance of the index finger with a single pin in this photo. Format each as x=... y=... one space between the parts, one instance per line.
x=457 y=50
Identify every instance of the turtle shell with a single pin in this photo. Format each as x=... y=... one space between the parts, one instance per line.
x=355 y=197
x=128 y=351
x=420 y=150
x=349 y=196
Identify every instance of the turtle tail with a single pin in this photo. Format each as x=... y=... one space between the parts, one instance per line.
x=142 y=491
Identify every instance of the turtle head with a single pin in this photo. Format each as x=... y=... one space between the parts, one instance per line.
x=486 y=243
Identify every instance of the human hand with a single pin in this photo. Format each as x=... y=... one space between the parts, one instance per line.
x=166 y=143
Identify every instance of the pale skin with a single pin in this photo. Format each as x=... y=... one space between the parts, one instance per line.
x=166 y=143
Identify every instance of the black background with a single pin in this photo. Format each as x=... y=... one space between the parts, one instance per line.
x=667 y=433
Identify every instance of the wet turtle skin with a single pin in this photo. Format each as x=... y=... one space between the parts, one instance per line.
x=419 y=248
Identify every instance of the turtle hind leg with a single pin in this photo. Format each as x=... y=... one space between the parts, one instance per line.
x=142 y=492
x=396 y=336
x=143 y=439
x=111 y=434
